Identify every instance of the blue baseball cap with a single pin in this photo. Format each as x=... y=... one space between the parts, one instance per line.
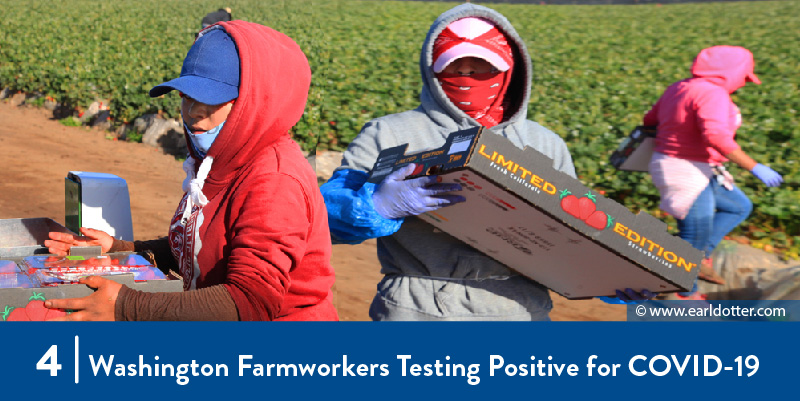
x=210 y=72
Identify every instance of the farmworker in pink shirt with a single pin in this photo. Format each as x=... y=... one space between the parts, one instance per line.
x=697 y=123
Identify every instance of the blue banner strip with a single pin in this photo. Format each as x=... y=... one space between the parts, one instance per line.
x=360 y=360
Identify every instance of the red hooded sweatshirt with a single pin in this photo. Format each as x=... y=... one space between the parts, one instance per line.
x=696 y=118
x=264 y=232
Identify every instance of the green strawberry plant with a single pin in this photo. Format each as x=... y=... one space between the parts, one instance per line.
x=597 y=70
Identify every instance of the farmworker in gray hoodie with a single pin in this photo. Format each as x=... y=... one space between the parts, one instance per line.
x=475 y=71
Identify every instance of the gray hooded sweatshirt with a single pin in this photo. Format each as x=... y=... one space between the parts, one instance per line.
x=430 y=275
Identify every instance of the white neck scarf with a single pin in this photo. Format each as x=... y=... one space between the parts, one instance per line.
x=193 y=184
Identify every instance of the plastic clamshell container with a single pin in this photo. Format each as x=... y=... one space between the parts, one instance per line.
x=49 y=270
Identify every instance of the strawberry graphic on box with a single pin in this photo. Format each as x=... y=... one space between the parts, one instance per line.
x=585 y=209
x=570 y=204
x=35 y=311
x=586 y=206
x=599 y=220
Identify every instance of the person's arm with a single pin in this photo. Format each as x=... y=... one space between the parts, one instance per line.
x=713 y=110
x=359 y=210
x=370 y=211
x=768 y=176
x=741 y=159
x=268 y=239
x=713 y=118
x=348 y=196
x=59 y=243
x=157 y=251
x=352 y=217
x=114 y=301
x=210 y=304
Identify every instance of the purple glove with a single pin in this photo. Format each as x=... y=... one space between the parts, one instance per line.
x=628 y=296
x=397 y=197
x=769 y=176
x=631 y=296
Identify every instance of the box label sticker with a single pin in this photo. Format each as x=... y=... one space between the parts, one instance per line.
x=460 y=146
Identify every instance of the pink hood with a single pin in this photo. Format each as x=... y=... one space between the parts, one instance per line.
x=727 y=66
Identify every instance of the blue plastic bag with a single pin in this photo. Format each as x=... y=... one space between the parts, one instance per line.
x=351 y=214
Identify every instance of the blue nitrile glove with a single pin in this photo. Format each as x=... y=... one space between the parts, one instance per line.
x=629 y=296
x=769 y=176
x=397 y=197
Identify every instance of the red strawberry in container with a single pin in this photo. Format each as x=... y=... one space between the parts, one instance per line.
x=35 y=311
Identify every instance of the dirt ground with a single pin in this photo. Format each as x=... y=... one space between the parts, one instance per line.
x=38 y=152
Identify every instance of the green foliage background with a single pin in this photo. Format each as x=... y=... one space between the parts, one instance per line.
x=597 y=70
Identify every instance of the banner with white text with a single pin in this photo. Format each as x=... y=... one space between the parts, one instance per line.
x=398 y=361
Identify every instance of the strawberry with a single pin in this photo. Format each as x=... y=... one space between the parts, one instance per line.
x=598 y=220
x=586 y=206
x=569 y=203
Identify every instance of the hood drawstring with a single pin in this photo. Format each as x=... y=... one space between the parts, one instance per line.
x=193 y=184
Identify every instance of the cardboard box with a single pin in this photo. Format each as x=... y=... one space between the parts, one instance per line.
x=16 y=298
x=635 y=151
x=545 y=224
x=21 y=239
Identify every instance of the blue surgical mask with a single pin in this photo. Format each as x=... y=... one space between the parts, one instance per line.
x=202 y=142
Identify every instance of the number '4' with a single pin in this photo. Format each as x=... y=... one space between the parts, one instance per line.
x=49 y=361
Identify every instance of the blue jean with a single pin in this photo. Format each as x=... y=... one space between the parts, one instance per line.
x=714 y=214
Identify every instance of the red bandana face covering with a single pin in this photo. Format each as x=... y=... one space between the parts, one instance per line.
x=480 y=96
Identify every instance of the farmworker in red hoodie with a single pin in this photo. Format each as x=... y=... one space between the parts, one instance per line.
x=250 y=236
x=697 y=123
x=476 y=71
